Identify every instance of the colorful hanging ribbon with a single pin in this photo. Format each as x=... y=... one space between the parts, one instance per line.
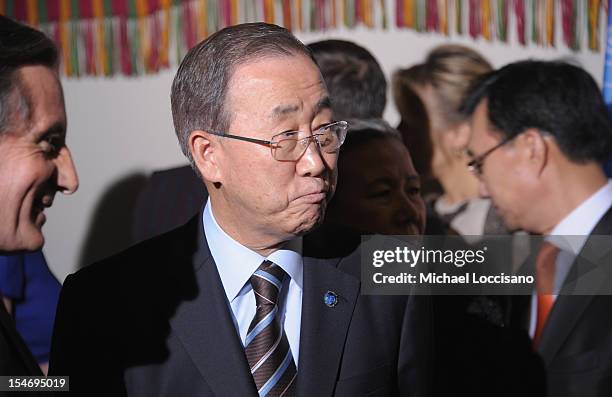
x=105 y=37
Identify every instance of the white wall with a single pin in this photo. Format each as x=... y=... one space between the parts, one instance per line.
x=121 y=127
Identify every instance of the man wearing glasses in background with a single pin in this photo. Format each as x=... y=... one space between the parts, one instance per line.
x=540 y=133
x=226 y=305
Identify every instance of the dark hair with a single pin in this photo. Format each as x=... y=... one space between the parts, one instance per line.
x=354 y=79
x=362 y=131
x=557 y=98
x=202 y=81
x=20 y=45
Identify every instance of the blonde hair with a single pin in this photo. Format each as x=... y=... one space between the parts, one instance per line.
x=449 y=70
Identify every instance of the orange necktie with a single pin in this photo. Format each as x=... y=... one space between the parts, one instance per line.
x=545 y=277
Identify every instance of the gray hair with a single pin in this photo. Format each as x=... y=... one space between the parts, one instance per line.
x=202 y=81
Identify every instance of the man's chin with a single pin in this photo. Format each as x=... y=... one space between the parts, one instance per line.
x=35 y=243
x=310 y=224
x=31 y=241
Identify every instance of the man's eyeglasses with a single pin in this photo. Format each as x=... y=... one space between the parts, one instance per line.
x=475 y=165
x=286 y=146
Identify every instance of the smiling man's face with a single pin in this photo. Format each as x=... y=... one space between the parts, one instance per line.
x=34 y=160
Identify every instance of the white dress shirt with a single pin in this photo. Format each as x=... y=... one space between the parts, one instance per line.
x=570 y=235
x=236 y=263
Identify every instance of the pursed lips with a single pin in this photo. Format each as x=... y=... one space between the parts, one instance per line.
x=314 y=197
x=317 y=193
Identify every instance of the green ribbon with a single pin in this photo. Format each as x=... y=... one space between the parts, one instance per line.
x=109 y=37
x=383 y=13
x=74 y=36
x=134 y=36
x=501 y=26
x=459 y=16
x=10 y=9
x=43 y=17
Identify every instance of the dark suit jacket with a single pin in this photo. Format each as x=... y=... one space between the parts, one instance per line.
x=15 y=358
x=477 y=355
x=576 y=342
x=169 y=199
x=155 y=321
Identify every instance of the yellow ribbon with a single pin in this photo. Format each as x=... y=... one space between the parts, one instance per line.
x=32 y=7
x=550 y=22
x=64 y=17
x=486 y=19
x=408 y=13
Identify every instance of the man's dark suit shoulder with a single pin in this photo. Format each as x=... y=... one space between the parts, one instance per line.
x=15 y=358
x=117 y=310
x=170 y=243
x=169 y=199
x=576 y=342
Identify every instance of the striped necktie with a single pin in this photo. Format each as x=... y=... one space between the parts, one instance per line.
x=267 y=349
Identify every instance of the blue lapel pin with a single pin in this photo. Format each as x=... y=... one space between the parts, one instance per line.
x=330 y=298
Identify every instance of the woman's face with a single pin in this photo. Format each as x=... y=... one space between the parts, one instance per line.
x=442 y=156
x=378 y=190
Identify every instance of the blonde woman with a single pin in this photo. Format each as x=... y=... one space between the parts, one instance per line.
x=474 y=349
x=429 y=96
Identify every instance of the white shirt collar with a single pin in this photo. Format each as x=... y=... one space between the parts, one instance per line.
x=582 y=220
x=236 y=263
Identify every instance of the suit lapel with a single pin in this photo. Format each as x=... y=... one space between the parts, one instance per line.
x=568 y=308
x=324 y=329
x=564 y=315
x=13 y=339
x=520 y=305
x=205 y=328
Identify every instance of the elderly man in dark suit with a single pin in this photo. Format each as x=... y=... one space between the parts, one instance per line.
x=34 y=161
x=357 y=88
x=226 y=305
x=540 y=134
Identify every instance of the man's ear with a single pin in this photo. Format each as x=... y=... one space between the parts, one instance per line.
x=204 y=151
x=534 y=148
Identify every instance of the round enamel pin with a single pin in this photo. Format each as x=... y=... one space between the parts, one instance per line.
x=330 y=298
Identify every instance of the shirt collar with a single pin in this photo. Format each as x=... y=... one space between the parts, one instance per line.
x=236 y=263
x=582 y=220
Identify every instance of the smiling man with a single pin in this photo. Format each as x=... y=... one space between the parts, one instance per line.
x=227 y=305
x=540 y=133
x=34 y=161
x=35 y=164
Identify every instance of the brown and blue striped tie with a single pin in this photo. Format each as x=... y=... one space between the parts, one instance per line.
x=267 y=348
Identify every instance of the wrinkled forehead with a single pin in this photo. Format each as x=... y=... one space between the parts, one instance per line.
x=276 y=88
